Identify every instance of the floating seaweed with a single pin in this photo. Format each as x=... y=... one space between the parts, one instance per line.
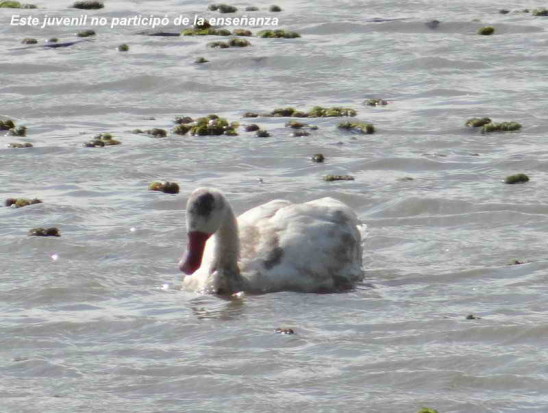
x=516 y=179
x=376 y=102
x=21 y=202
x=86 y=33
x=251 y=8
x=201 y=60
x=208 y=125
x=359 y=127
x=318 y=158
x=275 y=8
x=15 y=5
x=486 y=31
x=236 y=42
x=540 y=12
x=242 y=32
x=7 y=124
x=45 y=232
x=166 y=187
x=500 y=127
x=337 y=111
x=427 y=410
x=331 y=178
x=285 y=331
x=261 y=133
x=101 y=140
x=156 y=132
x=123 y=48
x=88 y=5
x=477 y=122
x=315 y=112
x=218 y=45
x=183 y=120
x=278 y=34
x=205 y=29
x=250 y=115
x=252 y=128
x=299 y=133
x=16 y=145
x=29 y=40
x=18 y=131
x=223 y=8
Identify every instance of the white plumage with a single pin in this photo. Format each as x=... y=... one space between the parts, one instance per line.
x=278 y=246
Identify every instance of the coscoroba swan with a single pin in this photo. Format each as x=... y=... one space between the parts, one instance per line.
x=278 y=246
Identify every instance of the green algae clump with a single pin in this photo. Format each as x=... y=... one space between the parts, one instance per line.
x=477 y=122
x=242 y=32
x=45 y=232
x=205 y=29
x=337 y=111
x=200 y=60
x=252 y=128
x=427 y=410
x=236 y=42
x=18 y=131
x=261 y=133
x=359 y=127
x=251 y=8
x=331 y=178
x=250 y=115
x=275 y=8
x=218 y=45
x=183 y=120
x=166 y=187
x=88 y=5
x=315 y=112
x=86 y=33
x=318 y=158
x=376 y=102
x=278 y=34
x=157 y=132
x=283 y=112
x=16 y=145
x=540 y=12
x=21 y=202
x=15 y=5
x=516 y=179
x=501 y=127
x=223 y=8
x=486 y=31
x=29 y=40
x=211 y=125
x=123 y=48
x=7 y=124
x=101 y=140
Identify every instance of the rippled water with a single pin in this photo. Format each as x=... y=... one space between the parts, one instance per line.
x=94 y=320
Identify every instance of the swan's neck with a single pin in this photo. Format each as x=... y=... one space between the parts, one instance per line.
x=226 y=254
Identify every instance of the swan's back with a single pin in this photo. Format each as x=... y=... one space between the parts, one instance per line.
x=314 y=246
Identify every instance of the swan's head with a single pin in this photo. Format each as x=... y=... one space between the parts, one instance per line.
x=205 y=211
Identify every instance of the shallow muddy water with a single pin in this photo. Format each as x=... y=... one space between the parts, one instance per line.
x=95 y=321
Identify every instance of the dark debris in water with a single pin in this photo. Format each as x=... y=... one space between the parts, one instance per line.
x=21 y=202
x=166 y=187
x=45 y=232
x=284 y=331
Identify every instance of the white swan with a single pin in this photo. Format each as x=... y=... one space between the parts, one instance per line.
x=277 y=246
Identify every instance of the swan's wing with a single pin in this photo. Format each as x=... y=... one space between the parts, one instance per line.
x=307 y=247
x=254 y=228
